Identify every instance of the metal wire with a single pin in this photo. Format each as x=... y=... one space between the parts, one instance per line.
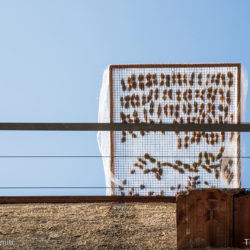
x=74 y=187
x=107 y=156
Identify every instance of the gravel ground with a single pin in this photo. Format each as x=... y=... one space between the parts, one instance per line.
x=88 y=226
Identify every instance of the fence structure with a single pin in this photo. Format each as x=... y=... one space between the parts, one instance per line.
x=223 y=215
x=118 y=127
x=121 y=127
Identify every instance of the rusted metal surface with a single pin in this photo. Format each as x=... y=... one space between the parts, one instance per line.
x=242 y=220
x=205 y=218
x=83 y=199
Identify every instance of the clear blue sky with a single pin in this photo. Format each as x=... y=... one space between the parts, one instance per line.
x=52 y=57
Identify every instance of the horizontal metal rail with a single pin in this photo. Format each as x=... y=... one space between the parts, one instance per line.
x=105 y=127
x=84 y=199
x=242 y=127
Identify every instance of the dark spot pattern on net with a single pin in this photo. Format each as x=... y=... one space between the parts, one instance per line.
x=173 y=96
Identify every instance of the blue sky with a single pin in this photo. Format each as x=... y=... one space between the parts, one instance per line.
x=53 y=54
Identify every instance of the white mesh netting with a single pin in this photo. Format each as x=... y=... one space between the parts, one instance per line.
x=157 y=163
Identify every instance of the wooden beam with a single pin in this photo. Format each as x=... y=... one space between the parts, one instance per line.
x=84 y=199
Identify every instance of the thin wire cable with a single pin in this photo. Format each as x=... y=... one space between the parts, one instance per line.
x=105 y=156
x=79 y=187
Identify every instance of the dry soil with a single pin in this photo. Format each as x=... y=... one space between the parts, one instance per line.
x=88 y=226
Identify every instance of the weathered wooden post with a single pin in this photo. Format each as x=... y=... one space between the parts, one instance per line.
x=242 y=220
x=205 y=218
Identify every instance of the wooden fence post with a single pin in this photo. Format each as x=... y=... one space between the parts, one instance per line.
x=205 y=218
x=242 y=220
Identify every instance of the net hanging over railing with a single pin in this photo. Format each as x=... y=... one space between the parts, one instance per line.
x=161 y=162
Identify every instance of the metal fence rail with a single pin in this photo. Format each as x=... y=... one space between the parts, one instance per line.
x=241 y=127
x=84 y=199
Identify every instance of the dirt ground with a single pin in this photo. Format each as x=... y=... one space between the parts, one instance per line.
x=88 y=226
